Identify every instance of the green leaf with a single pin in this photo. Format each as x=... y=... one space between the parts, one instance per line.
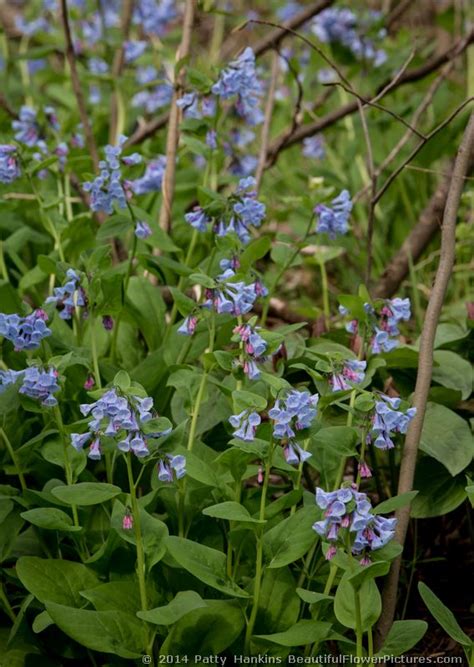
x=366 y=572
x=453 y=372
x=41 y=622
x=402 y=637
x=278 y=604
x=344 y=603
x=447 y=438
x=302 y=633
x=206 y=631
x=206 y=564
x=50 y=518
x=443 y=615
x=312 y=597
x=121 y=595
x=246 y=400
x=395 y=503
x=115 y=225
x=107 y=631
x=254 y=251
x=56 y=580
x=154 y=533
x=122 y=380
x=290 y=539
x=327 y=447
x=183 y=603
x=231 y=511
x=438 y=492
x=86 y=493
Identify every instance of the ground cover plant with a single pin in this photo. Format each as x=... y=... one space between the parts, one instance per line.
x=235 y=331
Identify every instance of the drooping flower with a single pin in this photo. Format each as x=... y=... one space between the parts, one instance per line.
x=69 y=296
x=26 y=333
x=133 y=50
x=142 y=230
x=233 y=297
x=348 y=515
x=9 y=166
x=293 y=413
x=239 y=80
x=119 y=417
x=171 y=467
x=40 y=383
x=352 y=372
x=155 y=16
x=26 y=128
x=152 y=178
x=198 y=219
x=333 y=219
x=188 y=326
x=8 y=378
x=127 y=521
x=313 y=147
x=254 y=348
x=245 y=424
x=387 y=420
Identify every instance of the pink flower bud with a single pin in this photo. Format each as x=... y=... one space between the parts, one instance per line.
x=260 y=475
x=89 y=383
x=127 y=521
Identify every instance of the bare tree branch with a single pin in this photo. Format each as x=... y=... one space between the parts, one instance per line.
x=308 y=129
x=76 y=86
x=425 y=367
x=173 y=123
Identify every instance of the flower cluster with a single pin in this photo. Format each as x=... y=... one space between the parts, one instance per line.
x=334 y=219
x=157 y=97
x=27 y=130
x=352 y=372
x=383 y=322
x=155 y=16
x=245 y=424
x=233 y=297
x=26 y=333
x=294 y=413
x=387 y=420
x=347 y=512
x=9 y=167
x=69 y=296
x=171 y=467
x=197 y=108
x=313 y=147
x=107 y=189
x=240 y=80
x=254 y=347
x=40 y=384
x=152 y=178
x=116 y=416
x=243 y=211
x=342 y=26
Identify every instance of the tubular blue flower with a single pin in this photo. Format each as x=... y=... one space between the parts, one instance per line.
x=294 y=454
x=152 y=178
x=352 y=372
x=198 y=219
x=294 y=413
x=26 y=333
x=239 y=80
x=313 y=147
x=142 y=230
x=171 y=467
x=9 y=166
x=9 y=378
x=68 y=297
x=41 y=384
x=333 y=220
x=348 y=514
x=155 y=16
x=245 y=425
x=118 y=417
x=388 y=420
x=152 y=100
x=97 y=66
x=26 y=128
x=188 y=326
x=235 y=298
x=133 y=50
x=254 y=349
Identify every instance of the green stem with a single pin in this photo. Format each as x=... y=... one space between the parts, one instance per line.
x=67 y=463
x=300 y=474
x=138 y=534
x=14 y=458
x=6 y=604
x=311 y=650
x=370 y=642
x=3 y=266
x=95 y=358
x=174 y=309
x=362 y=455
x=128 y=275
x=358 y=615
x=282 y=272
x=259 y=557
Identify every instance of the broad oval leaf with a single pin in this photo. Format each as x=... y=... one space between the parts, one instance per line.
x=50 y=518
x=183 y=603
x=86 y=493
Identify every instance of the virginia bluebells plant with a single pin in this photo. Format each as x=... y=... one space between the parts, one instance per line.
x=334 y=219
x=245 y=425
x=26 y=333
x=387 y=420
x=69 y=296
x=239 y=80
x=40 y=384
x=9 y=166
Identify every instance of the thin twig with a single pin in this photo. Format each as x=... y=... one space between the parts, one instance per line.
x=425 y=367
x=117 y=68
x=265 y=135
x=173 y=123
x=418 y=148
x=76 y=86
x=284 y=141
